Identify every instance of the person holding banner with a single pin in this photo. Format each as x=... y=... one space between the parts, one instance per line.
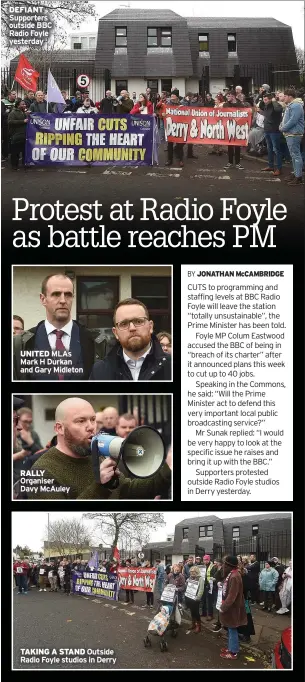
x=17 y=120
x=233 y=150
x=174 y=101
x=193 y=593
x=86 y=107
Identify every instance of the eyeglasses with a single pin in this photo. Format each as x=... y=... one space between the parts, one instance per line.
x=136 y=321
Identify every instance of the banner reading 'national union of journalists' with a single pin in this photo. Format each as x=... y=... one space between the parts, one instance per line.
x=96 y=583
x=201 y=125
x=79 y=139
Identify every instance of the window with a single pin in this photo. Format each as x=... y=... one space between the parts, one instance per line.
x=185 y=533
x=153 y=85
x=155 y=293
x=232 y=42
x=203 y=39
x=92 y=42
x=168 y=559
x=235 y=532
x=159 y=37
x=166 y=84
x=84 y=42
x=121 y=36
x=96 y=300
x=205 y=531
x=254 y=530
x=77 y=46
x=119 y=86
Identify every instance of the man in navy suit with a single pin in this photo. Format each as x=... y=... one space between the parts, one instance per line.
x=58 y=348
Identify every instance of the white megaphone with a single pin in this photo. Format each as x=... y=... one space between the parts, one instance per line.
x=142 y=452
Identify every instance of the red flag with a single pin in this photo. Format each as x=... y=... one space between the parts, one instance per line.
x=116 y=554
x=26 y=74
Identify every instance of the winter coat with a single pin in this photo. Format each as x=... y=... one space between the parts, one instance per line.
x=156 y=366
x=186 y=570
x=176 y=579
x=87 y=110
x=268 y=579
x=293 y=119
x=253 y=573
x=272 y=113
x=17 y=126
x=125 y=106
x=136 y=108
x=232 y=611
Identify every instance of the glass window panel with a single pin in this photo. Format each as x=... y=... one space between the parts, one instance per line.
x=121 y=31
x=150 y=286
x=92 y=42
x=166 y=32
x=120 y=85
x=185 y=533
x=121 y=42
x=102 y=322
x=152 y=42
x=166 y=41
x=97 y=294
x=151 y=31
x=84 y=41
x=203 y=37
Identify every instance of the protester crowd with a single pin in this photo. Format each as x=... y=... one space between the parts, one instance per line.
x=277 y=121
x=224 y=590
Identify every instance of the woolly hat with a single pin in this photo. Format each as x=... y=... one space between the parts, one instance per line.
x=231 y=561
x=206 y=557
x=265 y=86
x=175 y=92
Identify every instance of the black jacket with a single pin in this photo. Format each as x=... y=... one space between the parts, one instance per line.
x=156 y=366
x=272 y=113
x=106 y=105
x=91 y=350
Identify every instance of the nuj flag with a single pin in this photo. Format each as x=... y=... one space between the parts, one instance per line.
x=54 y=95
x=94 y=562
x=26 y=74
x=116 y=554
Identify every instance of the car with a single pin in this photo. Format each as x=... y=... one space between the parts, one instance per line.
x=281 y=656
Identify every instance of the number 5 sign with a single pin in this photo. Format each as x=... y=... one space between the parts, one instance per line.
x=83 y=80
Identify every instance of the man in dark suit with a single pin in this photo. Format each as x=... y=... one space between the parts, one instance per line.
x=58 y=347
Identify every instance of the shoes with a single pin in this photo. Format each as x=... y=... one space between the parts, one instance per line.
x=228 y=654
x=25 y=592
x=282 y=611
x=267 y=170
x=216 y=628
x=261 y=603
x=296 y=181
x=228 y=165
x=181 y=164
x=239 y=166
x=169 y=163
x=40 y=590
x=151 y=607
x=197 y=628
x=44 y=589
x=277 y=172
x=269 y=610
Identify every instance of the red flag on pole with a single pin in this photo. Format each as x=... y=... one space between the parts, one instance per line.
x=116 y=554
x=26 y=74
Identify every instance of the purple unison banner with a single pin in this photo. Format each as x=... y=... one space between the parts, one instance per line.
x=96 y=583
x=95 y=139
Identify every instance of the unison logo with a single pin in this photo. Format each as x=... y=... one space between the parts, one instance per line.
x=140 y=123
x=42 y=122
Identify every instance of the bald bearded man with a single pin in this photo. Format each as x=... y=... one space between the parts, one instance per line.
x=69 y=463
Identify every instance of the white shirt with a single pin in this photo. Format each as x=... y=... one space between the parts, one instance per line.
x=135 y=365
x=66 y=337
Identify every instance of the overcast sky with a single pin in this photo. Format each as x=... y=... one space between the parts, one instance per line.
x=28 y=528
x=291 y=13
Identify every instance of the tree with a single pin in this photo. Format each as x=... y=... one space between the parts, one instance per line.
x=126 y=525
x=300 y=55
x=22 y=551
x=61 y=12
x=71 y=534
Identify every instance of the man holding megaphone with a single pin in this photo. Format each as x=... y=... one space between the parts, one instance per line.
x=85 y=464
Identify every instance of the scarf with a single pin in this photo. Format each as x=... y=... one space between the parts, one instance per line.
x=225 y=584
